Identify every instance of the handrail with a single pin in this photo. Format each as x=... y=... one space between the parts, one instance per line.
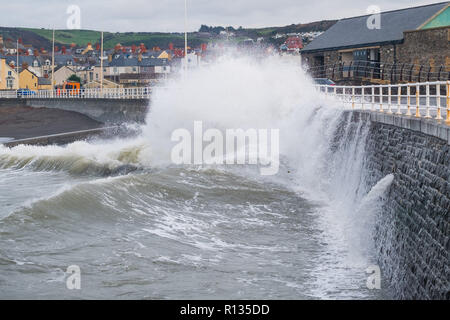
x=106 y=93
x=396 y=72
x=425 y=97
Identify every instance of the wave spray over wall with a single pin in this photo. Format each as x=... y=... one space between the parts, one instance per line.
x=147 y=228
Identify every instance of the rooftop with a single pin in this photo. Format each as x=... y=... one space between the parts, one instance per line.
x=353 y=32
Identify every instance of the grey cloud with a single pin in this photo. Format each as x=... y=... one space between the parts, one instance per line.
x=168 y=15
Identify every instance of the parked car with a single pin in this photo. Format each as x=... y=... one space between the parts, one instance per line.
x=25 y=93
x=324 y=82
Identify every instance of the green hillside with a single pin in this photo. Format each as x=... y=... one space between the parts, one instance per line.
x=42 y=38
x=82 y=37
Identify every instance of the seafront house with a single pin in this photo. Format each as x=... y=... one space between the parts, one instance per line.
x=34 y=64
x=407 y=43
x=28 y=80
x=8 y=76
x=136 y=71
x=62 y=74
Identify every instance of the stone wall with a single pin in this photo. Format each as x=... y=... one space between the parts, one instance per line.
x=430 y=48
x=412 y=233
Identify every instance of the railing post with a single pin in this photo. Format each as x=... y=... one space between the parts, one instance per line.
x=381 y=99
x=418 y=101
x=353 y=97
x=408 y=93
x=390 y=99
x=447 y=121
x=373 y=98
x=428 y=116
x=399 y=100
x=438 y=102
x=362 y=97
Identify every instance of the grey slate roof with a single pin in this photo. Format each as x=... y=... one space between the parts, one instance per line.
x=23 y=59
x=134 y=62
x=44 y=81
x=63 y=59
x=353 y=32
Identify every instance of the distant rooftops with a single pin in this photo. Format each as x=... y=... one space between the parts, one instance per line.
x=123 y=61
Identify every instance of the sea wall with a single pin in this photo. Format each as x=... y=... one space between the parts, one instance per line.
x=68 y=137
x=412 y=232
x=119 y=131
x=109 y=111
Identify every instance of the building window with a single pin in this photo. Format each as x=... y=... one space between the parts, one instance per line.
x=9 y=73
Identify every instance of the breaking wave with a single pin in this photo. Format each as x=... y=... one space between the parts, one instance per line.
x=322 y=174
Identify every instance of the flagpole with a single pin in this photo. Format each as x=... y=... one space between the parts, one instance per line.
x=17 y=64
x=101 y=65
x=53 y=61
x=185 y=38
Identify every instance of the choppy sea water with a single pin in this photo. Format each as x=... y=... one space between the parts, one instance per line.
x=140 y=227
x=172 y=234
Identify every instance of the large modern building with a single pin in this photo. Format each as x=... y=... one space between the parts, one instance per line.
x=412 y=40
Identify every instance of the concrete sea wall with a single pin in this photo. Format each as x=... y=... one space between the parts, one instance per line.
x=412 y=233
x=111 y=111
x=103 y=110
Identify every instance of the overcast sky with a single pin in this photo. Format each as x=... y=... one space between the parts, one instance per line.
x=168 y=15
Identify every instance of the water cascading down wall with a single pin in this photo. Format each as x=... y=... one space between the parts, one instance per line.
x=412 y=230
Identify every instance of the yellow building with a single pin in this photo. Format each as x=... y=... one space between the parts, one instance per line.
x=44 y=84
x=28 y=80
x=165 y=55
x=8 y=76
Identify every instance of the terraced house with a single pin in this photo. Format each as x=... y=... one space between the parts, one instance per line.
x=8 y=76
x=411 y=44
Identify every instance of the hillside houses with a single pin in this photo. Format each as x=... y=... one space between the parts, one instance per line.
x=123 y=66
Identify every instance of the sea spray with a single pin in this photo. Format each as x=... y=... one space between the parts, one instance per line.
x=283 y=236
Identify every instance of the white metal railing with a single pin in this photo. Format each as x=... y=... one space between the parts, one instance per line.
x=109 y=93
x=430 y=100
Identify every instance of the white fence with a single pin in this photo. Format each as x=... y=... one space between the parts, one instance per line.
x=426 y=99
x=116 y=93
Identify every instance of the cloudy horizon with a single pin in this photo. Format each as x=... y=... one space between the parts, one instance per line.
x=168 y=15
